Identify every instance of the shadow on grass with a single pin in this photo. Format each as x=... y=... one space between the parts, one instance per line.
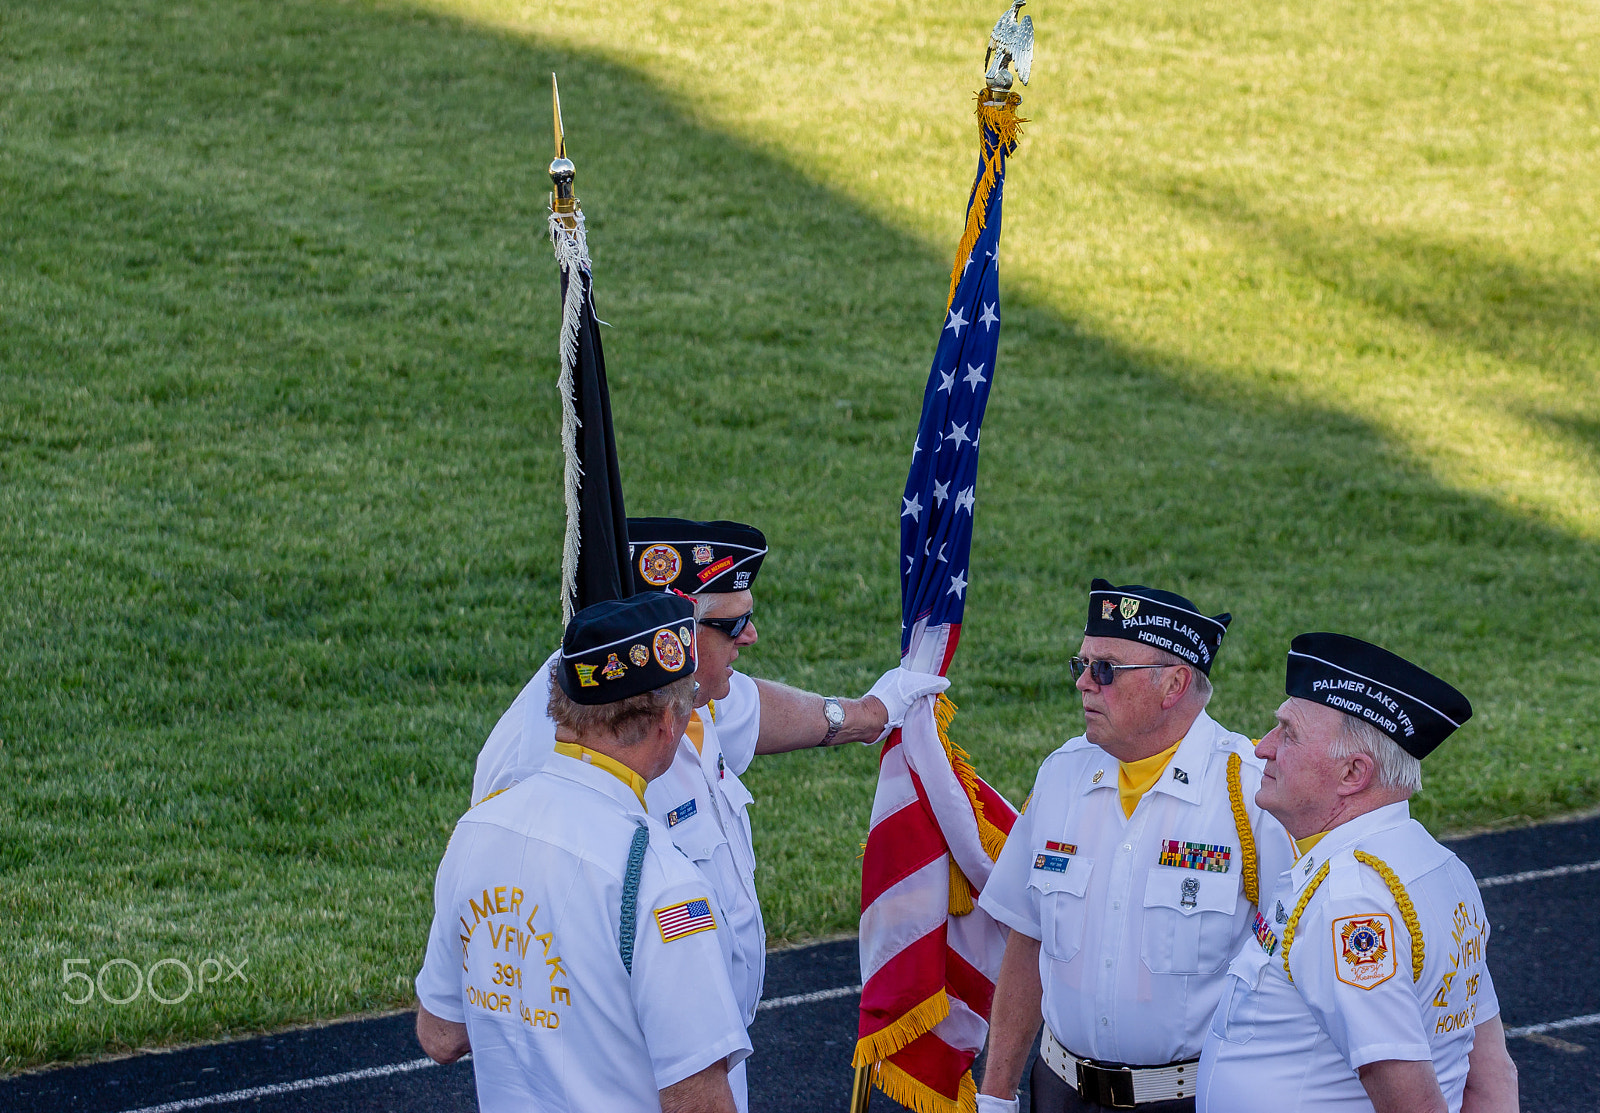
x=280 y=470
x=1466 y=291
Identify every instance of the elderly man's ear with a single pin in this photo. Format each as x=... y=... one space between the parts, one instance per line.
x=1357 y=774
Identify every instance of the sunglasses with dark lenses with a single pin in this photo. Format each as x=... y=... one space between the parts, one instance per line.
x=1104 y=672
x=732 y=627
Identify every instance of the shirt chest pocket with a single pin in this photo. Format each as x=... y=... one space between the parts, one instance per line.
x=1188 y=920
x=1240 y=1007
x=734 y=792
x=695 y=833
x=1062 y=907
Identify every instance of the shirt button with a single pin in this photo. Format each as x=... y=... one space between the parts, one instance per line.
x=1127 y=846
x=1116 y=904
x=1108 y=964
x=1105 y=1022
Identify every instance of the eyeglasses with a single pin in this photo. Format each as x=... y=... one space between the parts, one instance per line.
x=732 y=627
x=1104 y=672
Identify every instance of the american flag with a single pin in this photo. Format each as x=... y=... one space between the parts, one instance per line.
x=929 y=956
x=942 y=487
x=685 y=919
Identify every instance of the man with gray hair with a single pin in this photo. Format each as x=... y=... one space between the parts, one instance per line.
x=1130 y=878
x=701 y=798
x=574 y=951
x=1366 y=986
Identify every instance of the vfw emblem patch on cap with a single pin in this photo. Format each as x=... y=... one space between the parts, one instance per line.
x=1130 y=607
x=668 y=650
x=1362 y=954
x=659 y=565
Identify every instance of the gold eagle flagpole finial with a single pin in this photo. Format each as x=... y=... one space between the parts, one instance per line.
x=562 y=172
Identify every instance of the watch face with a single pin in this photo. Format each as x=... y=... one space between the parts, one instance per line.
x=834 y=712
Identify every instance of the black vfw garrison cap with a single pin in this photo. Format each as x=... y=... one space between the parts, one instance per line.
x=692 y=557
x=1161 y=619
x=626 y=647
x=1410 y=705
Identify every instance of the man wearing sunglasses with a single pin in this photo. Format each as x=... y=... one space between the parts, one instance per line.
x=1132 y=875
x=701 y=798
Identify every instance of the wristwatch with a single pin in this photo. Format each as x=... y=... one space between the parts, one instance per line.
x=834 y=712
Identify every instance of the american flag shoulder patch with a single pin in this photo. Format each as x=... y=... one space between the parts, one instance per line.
x=687 y=918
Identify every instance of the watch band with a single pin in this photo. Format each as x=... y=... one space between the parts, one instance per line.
x=834 y=712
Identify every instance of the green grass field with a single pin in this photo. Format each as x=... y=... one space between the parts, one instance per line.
x=1302 y=319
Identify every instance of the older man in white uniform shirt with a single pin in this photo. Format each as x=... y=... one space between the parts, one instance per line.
x=1367 y=987
x=574 y=951
x=701 y=798
x=1129 y=879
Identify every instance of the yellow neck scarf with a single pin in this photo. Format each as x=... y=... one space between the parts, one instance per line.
x=1303 y=846
x=696 y=731
x=1135 y=778
x=609 y=764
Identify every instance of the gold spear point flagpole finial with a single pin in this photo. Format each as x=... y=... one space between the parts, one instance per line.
x=562 y=172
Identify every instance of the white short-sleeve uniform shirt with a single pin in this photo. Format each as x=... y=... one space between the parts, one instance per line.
x=521 y=742
x=706 y=810
x=1276 y=1044
x=524 y=950
x=1136 y=916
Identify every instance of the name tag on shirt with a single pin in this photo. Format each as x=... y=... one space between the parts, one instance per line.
x=1055 y=863
x=682 y=812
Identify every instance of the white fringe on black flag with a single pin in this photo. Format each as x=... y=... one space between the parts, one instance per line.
x=572 y=254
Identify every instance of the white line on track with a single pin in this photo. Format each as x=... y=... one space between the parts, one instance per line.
x=1537 y=875
x=1554 y=1026
x=798 y=999
x=417 y=1064
x=808 y=998
x=289 y=1087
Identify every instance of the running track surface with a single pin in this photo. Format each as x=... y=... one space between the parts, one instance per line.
x=1541 y=886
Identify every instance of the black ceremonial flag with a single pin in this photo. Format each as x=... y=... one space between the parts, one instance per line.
x=595 y=556
x=594 y=559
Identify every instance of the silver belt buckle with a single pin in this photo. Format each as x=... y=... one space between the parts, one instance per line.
x=1107 y=1086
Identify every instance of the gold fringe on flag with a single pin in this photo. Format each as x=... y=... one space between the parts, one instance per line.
x=960 y=891
x=918 y=1021
x=906 y=1090
x=992 y=838
x=999 y=116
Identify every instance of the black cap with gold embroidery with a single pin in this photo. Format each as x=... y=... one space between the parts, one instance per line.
x=1410 y=705
x=1161 y=619
x=626 y=647
x=692 y=557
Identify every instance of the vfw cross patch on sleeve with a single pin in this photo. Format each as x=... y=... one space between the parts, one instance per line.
x=1363 y=951
x=688 y=918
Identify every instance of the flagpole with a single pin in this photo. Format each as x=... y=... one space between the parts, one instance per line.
x=941 y=484
x=861 y=1091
